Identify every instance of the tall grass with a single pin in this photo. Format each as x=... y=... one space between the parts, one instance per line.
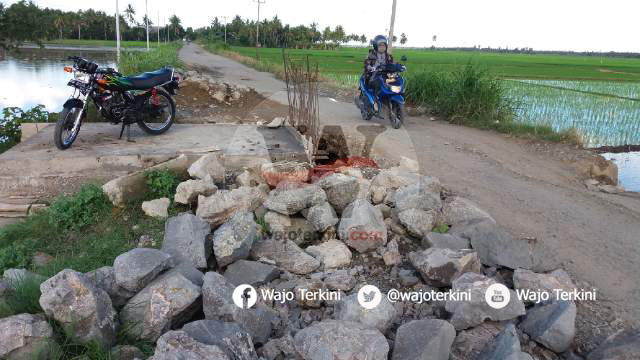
x=135 y=62
x=467 y=96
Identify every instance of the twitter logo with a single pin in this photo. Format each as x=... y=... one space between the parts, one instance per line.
x=369 y=296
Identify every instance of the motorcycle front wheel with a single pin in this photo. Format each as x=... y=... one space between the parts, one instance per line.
x=159 y=113
x=397 y=113
x=365 y=107
x=66 y=130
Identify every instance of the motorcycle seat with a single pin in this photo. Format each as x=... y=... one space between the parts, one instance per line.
x=149 y=79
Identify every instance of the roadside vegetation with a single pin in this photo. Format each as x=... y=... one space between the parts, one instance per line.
x=136 y=62
x=104 y=43
x=83 y=232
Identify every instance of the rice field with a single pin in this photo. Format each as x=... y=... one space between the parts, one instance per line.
x=599 y=119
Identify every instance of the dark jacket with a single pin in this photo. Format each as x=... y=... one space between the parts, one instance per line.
x=372 y=58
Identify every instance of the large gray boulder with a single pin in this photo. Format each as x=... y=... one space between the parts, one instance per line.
x=138 y=267
x=321 y=216
x=285 y=171
x=396 y=178
x=175 y=345
x=495 y=246
x=466 y=313
x=229 y=337
x=440 y=267
x=233 y=240
x=424 y=340
x=188 y=191
x=331 y=253
x=422 y=196
x=289 y=198
x=26 y=337
x=505 y=346
x=285 y=227
x=341 y=280
x=417 y=222
x=186 y=238
x=224 y=204
x=551 y=324
x=624 y=345
x=447 y=241
x=341 y=190
x=362 y=226
x=207 y=167
x=457 y=209
x=84 y=310
x=217 y=304
x=166 y=303
x=469 y=343
x=105 y=278
x=341 y=340
x=251 y=272
x=380 y=317
x=528 y=280
x=287 y=255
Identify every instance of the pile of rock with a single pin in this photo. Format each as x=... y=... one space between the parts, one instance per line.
x=280 y=229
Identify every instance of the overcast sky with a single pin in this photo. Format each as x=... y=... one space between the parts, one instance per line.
x=578 y=25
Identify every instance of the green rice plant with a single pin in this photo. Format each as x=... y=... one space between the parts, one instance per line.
x=136 y=62
x=599 y=120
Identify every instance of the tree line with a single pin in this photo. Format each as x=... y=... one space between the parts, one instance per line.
x=273 y=33
x=26 y=22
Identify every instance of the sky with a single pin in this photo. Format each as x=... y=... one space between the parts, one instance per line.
x=578 y=25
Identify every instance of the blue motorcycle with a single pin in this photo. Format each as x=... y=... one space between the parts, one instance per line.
x=391 y=95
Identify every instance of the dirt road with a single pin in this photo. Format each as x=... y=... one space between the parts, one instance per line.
x=534 y=190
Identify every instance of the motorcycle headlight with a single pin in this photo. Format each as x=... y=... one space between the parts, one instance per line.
x=396 y=89
x=81 y=77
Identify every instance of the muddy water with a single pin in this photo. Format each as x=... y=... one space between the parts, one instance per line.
x=35 y=76
x=628 y=169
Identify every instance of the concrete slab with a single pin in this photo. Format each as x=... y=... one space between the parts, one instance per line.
x=36 y=168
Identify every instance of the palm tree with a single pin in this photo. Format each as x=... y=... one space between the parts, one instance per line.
x=130 y=13
x=403 y=39
x=175 y=22
x=59 y=23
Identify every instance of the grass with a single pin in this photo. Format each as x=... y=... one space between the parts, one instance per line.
x=101 y=43
x=481 y=89
x=525 y=66
x=79 y=240
x=136 y=62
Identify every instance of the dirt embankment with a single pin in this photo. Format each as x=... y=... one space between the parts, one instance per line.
x=203 y=99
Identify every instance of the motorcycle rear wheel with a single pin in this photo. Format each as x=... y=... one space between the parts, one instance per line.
x=65 y=133
x=159 y=116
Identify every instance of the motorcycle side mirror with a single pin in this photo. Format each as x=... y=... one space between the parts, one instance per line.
x=403 y=58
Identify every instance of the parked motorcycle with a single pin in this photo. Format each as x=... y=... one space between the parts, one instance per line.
x=391 y=94
x=145 y=100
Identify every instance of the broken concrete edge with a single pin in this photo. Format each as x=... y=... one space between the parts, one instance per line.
x=134 y=185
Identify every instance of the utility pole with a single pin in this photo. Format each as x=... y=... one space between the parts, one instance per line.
x=158 y=27
x=258 y=27
x=393 y=20
x=146 y=16
x=118 y=30
x=225 y=29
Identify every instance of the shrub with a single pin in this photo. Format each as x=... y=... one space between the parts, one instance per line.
x=79 y=210
x=469 y=96
x=135 y=62
x=161 y=183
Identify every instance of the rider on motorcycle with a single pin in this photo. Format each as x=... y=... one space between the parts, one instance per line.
x=377 y=56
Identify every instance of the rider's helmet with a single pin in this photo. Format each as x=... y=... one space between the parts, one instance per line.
x=379 y=40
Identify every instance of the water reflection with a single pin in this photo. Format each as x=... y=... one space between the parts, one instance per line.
x=35 y=76
x=628 y=169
